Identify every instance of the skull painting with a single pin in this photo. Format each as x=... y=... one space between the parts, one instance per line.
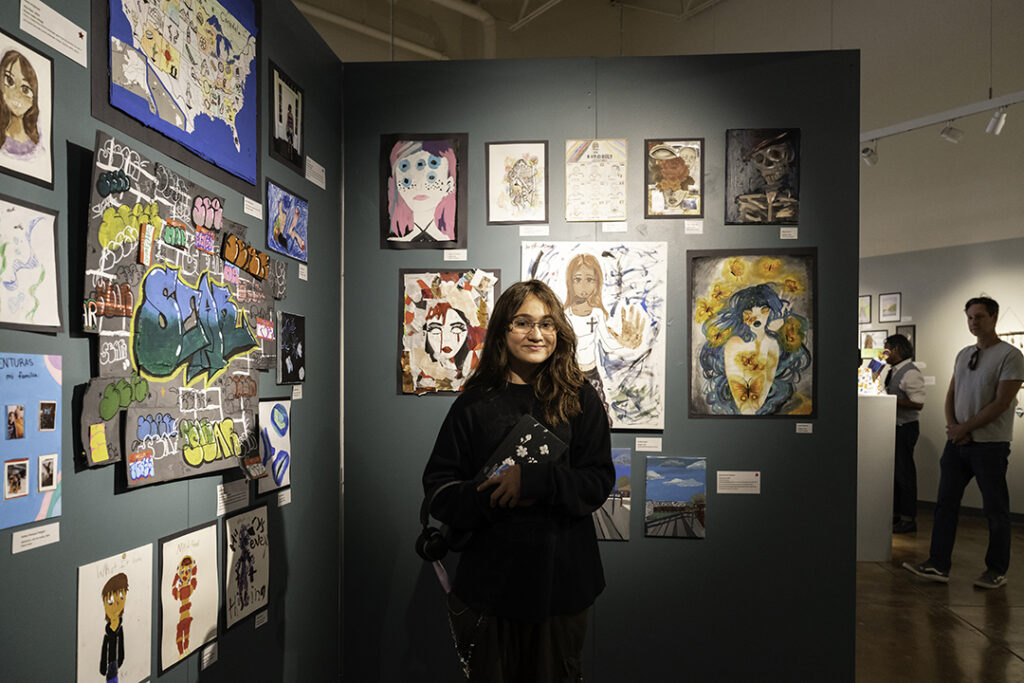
x=762 y=176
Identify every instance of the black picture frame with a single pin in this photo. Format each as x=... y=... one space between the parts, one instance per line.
x=897 y=299
x=746 y=185
x=656 y=180
x=910 y=332
x=540 y=154
x=163 y=667
x=281 y=148
x=46 y=328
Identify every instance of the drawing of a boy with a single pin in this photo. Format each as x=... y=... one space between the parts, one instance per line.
x=182 y=586
x=114 y=592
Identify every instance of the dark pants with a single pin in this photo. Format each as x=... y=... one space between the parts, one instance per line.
x=904 y=490
x=987 y=463
x=499 y=650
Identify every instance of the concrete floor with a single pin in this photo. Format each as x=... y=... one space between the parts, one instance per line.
x=910 y=629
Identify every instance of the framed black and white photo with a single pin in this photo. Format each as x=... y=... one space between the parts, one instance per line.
x=287 y=128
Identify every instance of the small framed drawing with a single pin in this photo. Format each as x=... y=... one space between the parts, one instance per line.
x=864 y=309
x=47 y=472
x=873 y=339
x=291 y=348
x=674 y=178
x=287 y=113
x=889 y=306
x=517 y=182
x=29 y=267
x=26 y=112
x=910 y=332
x=287 y=222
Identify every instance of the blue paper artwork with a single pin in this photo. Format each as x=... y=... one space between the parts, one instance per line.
x=611 y=520
x=191 y=74
x=287 y=222
x=676 y=497
x=30 y=448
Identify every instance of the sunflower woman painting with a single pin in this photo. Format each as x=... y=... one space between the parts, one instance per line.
x=752 y=322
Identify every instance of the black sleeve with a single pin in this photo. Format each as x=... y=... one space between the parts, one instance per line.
x=120 y=643
x=581 y=483
x=461 y=506
x=103 y=654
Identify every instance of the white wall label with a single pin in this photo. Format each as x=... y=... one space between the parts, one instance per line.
x=303 y=272
x=284 y=497
x=54 y=29
x=456 y=254
x=693 y=227
x=929 y=380
x=534 y=230
x=648 y=443
x=252 y=207
x=233 y=495
x=788 y=233
x=261 y=618
x=614 y=226
x=35 y=537
x=804 y=428
x=209 y=655
x=296 y=392
x=315 y=173
x=739 y=482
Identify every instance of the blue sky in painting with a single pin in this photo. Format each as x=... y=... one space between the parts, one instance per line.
x=671 y=478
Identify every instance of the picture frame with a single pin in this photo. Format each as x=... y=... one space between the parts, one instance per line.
x=437 y=165
x=890 y=307
x=47 y=416
x=875 y=337
x=26 y=147
x=863 y=309
x=517 y=182
x=16 y=484
x=674 y=178
x=246 y=562
x=47 y=473
x=291 y=348
x=287 y=120
x=595 y=179
x=30 y=299
x=910 y=332
x=762 y=163
x=287 y=222
x=189 y=588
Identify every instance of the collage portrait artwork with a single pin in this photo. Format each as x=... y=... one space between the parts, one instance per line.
x=183 y=307
x=762 y=176
x=444 y=322
x=676 y=497
x=275 y=444
x=752 y=326
x=26 y=112
x=115 y=617
x=29 y=267
x=595 y=180
x=291 y=348
x=517 y=182
x=31 y=443
x=674 y=177
x=611 y=520
x=189 y=592
x=246 y=564
x=287 y=222
x=190 y=75
x=614 y=294
x=288 y=114
x=423 y=193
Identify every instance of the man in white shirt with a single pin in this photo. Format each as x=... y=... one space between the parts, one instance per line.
x=906 y=382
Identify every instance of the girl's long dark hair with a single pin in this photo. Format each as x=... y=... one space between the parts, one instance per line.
x=558 y=381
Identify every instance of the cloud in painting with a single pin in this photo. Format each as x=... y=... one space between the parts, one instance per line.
x=652 y=475
x=697 y=465
x=683 y=483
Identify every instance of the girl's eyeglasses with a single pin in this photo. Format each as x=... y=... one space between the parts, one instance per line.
x=523 y=326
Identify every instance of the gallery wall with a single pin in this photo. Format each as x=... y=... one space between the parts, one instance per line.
x=935 y=284
x=99 y=517
x=737 y=605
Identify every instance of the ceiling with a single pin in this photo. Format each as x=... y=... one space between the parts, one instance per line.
x=917 y=60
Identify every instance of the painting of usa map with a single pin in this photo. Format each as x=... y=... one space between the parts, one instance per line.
x=187 y=68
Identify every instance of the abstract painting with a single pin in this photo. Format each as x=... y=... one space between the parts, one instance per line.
x=31 y=439
x=752 y=324
x=191 y=75
x=614 y=296
x=595 y=180
x=29 y=268
x=674 y=177
x=26 y=112
x=291 y=348
x=287 y=222
x=275 y=444
x=246 y=564
x=115 y=617
x=676 y=497
x=287 y=113
x=423 y=193
x=611 y=520
x=762 y=176
x=517 y=182
x=189 y=592
x=444 y=322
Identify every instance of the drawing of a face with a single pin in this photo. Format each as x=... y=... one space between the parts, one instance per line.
x=756 y=319
x=584 y=283
x=446 y=331
x=113 y=605
x=19 y=90
x=422 y=180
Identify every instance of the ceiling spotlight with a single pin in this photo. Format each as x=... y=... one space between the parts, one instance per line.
x=869 y=156
x=996 y=123
x=951 y=133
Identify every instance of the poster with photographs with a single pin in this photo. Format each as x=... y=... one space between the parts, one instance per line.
x=26 y=112
x=246 y=564
x=189 y=593
x=517 y=183
x=288 y=114
x=115 y=617
x=674 y=177
x=29 y=267
x=762 y=176
x=595 y=180
x=30 y=448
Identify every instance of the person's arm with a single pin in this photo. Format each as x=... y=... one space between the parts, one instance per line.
x=1005 y=391
x=912 y=385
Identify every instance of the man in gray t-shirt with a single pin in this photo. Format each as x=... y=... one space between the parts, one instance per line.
x=979 y=426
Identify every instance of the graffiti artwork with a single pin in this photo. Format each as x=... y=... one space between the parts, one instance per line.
x=179 y=301
x=189 y=589
x=614 y=296
x=444 y=322
x=246 y=564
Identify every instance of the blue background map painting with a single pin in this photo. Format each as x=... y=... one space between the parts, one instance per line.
x=211 y=138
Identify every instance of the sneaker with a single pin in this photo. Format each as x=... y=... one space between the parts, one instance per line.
x=926 y=570
x=990 y=579
x=904 y=526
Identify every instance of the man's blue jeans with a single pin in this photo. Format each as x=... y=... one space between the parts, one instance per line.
x=987 y=463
